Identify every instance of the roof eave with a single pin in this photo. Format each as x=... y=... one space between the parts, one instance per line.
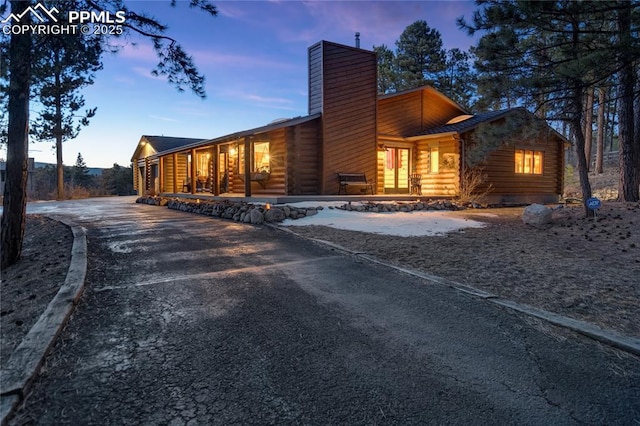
x=241 y=134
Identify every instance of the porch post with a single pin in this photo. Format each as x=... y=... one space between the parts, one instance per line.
x=215 y=181
x=194 y=169
x=247 y=166
x=161 y=175
x=175 y=172
x=147 y=174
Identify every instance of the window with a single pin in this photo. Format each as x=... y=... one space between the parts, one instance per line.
x=261 y=163
x=434 y=159
x=528 y=162
x=261 y=157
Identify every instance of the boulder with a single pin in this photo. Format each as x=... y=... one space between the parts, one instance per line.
x=256 y=216
x=536 y=215
x=274 y=215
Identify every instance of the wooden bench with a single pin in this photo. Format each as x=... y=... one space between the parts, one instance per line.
x=354 y=179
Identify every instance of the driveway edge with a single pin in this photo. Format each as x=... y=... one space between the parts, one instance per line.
x=626 y=343
x=26 y=360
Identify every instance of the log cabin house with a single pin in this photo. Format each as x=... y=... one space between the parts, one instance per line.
x=349 y=128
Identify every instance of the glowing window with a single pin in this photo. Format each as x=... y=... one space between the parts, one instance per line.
x=528 y=162
x=434 y=159
x=261 y=157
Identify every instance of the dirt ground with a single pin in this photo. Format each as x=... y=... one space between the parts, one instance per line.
x=582 y=268
x=587 y=269
x=28 y=286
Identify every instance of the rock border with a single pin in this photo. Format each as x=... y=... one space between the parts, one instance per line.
x=244 y=212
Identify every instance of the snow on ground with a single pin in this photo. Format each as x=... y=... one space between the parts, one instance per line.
x=412 y=224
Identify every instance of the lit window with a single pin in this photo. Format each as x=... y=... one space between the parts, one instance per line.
x=261 y=158
x=434 y=159
x=528 y=162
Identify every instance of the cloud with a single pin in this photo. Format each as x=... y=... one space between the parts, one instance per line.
x=157 y=117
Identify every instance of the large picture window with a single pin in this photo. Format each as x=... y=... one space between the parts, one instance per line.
x=528 y=162
x=261 y=158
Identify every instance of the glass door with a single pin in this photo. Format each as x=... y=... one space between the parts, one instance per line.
x=396 y=171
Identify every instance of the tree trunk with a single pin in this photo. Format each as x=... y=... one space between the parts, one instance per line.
x=576 y=107
x=15 y=191
x=583 y=171
x=58 y=130
x=629 y=183
x=600 y=137
x=588 y=126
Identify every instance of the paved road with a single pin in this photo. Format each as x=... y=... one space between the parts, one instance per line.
x=193 y=320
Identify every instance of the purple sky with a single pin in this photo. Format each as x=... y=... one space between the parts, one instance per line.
x=254 y=57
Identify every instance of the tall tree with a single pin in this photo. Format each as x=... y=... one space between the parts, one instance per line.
x=419 y=55
x=602 y=98
x=15 y=190
x=629 y=183
x=387 y=73
x=64 y=65
x=456 y=79
x=174 y=63
x=588 y=125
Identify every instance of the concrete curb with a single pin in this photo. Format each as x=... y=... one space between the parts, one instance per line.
x=626 y=343
x=26 y=360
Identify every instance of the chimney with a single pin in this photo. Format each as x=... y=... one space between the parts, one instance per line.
x=358 y=40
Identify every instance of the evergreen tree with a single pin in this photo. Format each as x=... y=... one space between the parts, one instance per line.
x=64 y=65
x=15 y=190
x=175 y=64
x=419 y=56
x=80 y=175
x=387 y=72
x=457 y=79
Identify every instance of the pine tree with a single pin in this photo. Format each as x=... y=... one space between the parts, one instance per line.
x=80 y=175
x=15 y=190
x=65 y=65
x=419 y=56
x=175 y=64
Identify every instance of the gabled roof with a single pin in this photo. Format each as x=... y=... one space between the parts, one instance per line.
x=470 y=123
x=466 y=125
x=426 y=88
x=162 y=143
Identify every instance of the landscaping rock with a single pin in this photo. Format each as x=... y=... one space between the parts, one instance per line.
x=256 y=217
x=537 y=215
x=274 y=215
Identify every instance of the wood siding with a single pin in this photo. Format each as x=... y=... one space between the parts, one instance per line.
x=315 y=78
x=349 y=105
x=408 y=114
x=168 y=168
x=303 y=159
x=446 y=181
x=500 y=170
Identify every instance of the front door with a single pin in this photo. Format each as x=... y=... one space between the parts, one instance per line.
x=396 y=171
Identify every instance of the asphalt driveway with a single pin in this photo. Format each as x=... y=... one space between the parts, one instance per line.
x=194 y=320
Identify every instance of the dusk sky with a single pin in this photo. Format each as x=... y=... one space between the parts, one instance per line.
x=254 y=58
